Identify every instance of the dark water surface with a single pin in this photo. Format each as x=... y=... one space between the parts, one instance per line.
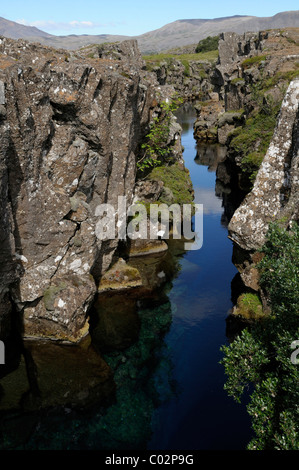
x=201 y=415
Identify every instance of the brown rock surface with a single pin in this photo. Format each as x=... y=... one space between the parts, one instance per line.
x=70 y=124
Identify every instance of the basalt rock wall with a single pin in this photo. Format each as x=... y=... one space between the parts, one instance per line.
x=190 y=79
x=275 y=194
x=70 y=126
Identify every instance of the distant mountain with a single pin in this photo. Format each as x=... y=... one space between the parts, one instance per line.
x=184 y=32
x=13 y=30
x=176 y=34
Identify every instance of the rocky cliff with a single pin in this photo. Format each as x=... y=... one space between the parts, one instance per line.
x=253 y=71
x=70 y=127
x=255 y=114
x=190 y=78
x=275 y=194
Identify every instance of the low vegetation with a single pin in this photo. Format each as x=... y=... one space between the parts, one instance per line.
x=255 y=60
x=155 y=149
x=253 y=139
x=176 y=180
x=249 y=306
x=155 y=60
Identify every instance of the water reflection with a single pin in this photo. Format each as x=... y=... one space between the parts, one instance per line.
x=210 y=155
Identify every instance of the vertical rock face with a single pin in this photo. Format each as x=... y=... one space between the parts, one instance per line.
x=275 y=194
x=246 y=60
x=69 y=129
x=190 y=79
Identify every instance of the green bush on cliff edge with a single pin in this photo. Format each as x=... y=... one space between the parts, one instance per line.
x=155 y=148
x=262 y=354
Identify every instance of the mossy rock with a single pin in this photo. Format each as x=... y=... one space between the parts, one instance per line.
x=121 y=276
x=177 y=180
x=249 y=306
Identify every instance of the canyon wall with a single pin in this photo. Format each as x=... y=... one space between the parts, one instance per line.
x=70 y=127
x=254 y=113
x=275 y=194
x=190 y=78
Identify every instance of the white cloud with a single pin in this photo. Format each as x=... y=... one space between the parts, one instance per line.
x=57 y=25
x=211 y=203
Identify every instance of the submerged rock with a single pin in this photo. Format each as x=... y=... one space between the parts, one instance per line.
x=120 y=276
x=52 y=375
x=117 y=323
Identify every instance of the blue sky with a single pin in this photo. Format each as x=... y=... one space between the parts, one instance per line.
x=128 y=17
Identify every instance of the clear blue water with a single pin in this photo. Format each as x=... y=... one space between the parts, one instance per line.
x=200 y=415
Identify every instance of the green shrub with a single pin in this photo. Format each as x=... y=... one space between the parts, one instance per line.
x=249 y=306
x=155 y=148
x=261 y=355
x=208 y=44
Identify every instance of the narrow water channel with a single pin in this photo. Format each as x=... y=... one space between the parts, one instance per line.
x=200 y=415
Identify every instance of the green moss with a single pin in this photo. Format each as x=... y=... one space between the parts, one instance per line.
x=280 y=77
x=186 y=67
x=253 y=139
x=177 y=180
x=203 y=74
x=251 y=163
x=155 y=60
x=253 y=61
x=249 y=306
x=50 y=295
x=126 y=75
x=237 y=81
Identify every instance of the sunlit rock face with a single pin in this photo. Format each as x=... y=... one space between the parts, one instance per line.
x=70 y=126
x=275 y=194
